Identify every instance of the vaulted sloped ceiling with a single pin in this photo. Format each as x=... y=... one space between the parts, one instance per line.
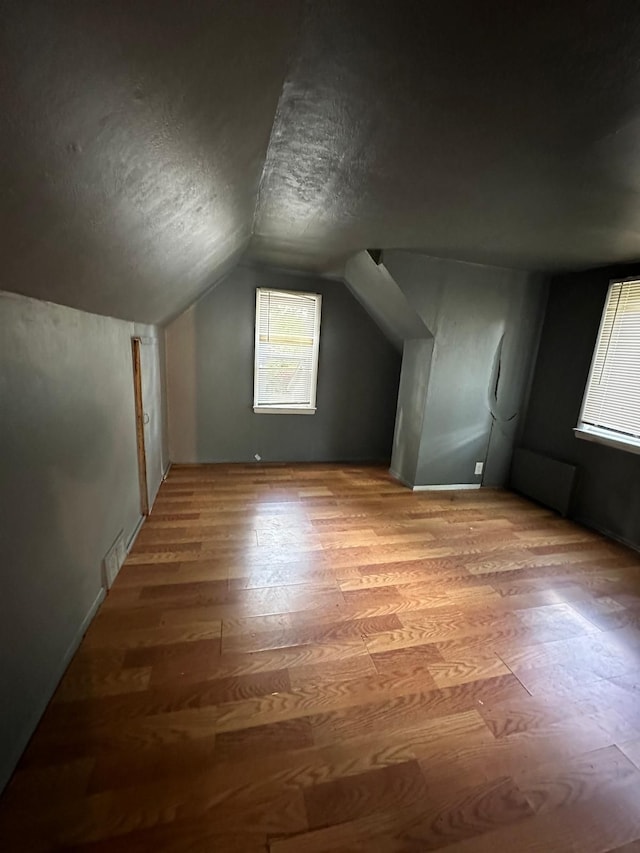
x=134 y=134
x=492 y=131
x=147 y=145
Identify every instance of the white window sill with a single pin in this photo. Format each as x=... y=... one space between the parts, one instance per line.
x=608 y=437
x=284 y=410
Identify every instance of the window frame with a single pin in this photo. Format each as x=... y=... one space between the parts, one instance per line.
x=288 y=409
x=604 y=435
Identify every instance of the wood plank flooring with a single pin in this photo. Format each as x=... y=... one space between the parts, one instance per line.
x=304 y=659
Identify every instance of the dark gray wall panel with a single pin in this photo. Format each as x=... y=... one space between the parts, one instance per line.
x=544 y=479
x=68 y=486
x=210 y=351
x=607 y=489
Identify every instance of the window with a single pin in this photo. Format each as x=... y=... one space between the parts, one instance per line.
x=611 y=407
x=286 y=357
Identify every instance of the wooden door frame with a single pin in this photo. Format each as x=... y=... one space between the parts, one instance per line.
x=142 y=455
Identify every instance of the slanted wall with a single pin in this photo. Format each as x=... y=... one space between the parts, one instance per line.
x=68 y=486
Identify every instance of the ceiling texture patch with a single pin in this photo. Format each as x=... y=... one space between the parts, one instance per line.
x=465 y=130
x=133 y=141
x=146 y=147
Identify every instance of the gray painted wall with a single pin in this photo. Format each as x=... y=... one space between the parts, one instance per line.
x=485 y=321
x=607 y=489
x=382 y=299
x=412 y=400
x=68 y=485
x=210 y=351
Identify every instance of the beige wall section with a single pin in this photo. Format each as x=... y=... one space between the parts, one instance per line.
x=182 y=380
x=68 y=486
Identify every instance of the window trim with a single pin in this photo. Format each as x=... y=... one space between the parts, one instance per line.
x=280 y=409
x=603 y=435
x=608 y=437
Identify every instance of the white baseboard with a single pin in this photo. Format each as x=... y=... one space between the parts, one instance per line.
x=134 y=535
x=85 y=624
x=20 y=743
x=152 y=498
x=448 y=487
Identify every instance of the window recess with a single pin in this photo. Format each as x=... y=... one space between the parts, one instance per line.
x=610 y=411
x=287 y=340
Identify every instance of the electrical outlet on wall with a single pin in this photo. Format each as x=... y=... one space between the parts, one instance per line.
x=479 y=467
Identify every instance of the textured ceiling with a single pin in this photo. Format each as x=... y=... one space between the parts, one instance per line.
x=134 y=138
x=488 y=131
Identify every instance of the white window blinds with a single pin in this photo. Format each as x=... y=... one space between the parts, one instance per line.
x=612 y=397
x=286 y=354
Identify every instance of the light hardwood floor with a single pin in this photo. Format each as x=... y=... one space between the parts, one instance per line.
x=314 y=659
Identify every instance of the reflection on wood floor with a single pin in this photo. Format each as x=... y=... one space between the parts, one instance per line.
x=312 y=658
